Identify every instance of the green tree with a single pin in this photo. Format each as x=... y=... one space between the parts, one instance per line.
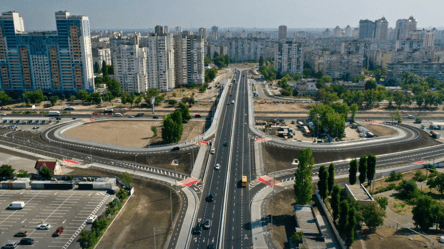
x=331 y=177
x=354 y=109
x=307 y=73
x=297 y=237
x=423 y=212
x=4 y=97
x=113 y=86
x=261 y=61
x=343 y=216
x=53 y=100
x=373 y=215
x=34 y=97
x=87 y=239
x=172 y=127
x=322 y=183
x=207 y=61
x=371 y=168
x=350 y=230
x=362 y=169
x=45 y=172
x=399 y=98
x=334 y=202
x=96 y=67
x=352 y=171
x=154 y=130
x=437 y=182
x=139 y=100
x=6 y=170
x=382 y=201
x=407 y=189
x=378 y=74
x=130 y=98
x=370 y=85
x=104 y=69
x=127 y=178
x=397 y=116
x=72 y=98
x=83 y=95
x=303 y=187
x=23 y=173
x=95 y=97
x=185 y=110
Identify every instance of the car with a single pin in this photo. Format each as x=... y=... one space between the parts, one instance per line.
x=35 y=128
x=21 y=234
x=217 y=166
x=210 y=197
x=213 y=151
x=155 y=117
x=411 y=117
x=10 y=245
x=232 y=102
x=139 y=115
x=197 y=229
x=58 y=231
x=211 y=246
x=74 y=118
x=228 y=103
x=2 y=114
x=111 y=191
x=91 y=219
x=69 y=108
x=226 y=143
x=26 y=241
x=118 y=115
x=197 y=116
x=43 y=226
x=130 y=116
x=207 y=224
x=176 y=148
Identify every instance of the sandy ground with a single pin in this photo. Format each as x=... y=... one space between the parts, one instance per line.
x=129 y=133
x=379 y=130
x=281 y=107
x=147 y=209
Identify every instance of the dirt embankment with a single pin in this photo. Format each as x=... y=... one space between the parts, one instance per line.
x=379 y=130
x=276 y=158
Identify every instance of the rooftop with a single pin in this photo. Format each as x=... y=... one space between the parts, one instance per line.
x=306 y=220
x=359 y=192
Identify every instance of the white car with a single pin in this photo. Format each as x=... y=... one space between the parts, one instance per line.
x=213 y=151
x=43 y=227
x=217 y=166
x=91 y=219
x=118 y=115
x=3 y=114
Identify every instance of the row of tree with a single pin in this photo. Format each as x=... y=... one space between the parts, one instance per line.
x=366 y=167
x=172 y=129
x=331 y=117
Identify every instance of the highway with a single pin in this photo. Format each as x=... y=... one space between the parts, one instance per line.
x=216 y=180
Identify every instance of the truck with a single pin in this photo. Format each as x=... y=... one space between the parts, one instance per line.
x=16 y=205
x=53 y=113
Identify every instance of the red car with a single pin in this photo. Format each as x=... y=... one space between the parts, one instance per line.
x=197 y=116
x=58 y=231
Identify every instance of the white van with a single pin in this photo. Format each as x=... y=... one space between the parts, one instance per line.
x=16 y=205
x=91 y=219
x=118 y=115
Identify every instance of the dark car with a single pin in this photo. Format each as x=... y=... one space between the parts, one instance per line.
x=155 y=117
x=74 y=118
x=176 y=148
x=211 y=246
x=58 y=118
x=111 y=191
x=197 y=229
x=26 y=241
x=21 y=234
x=210 y=197
x=225 y=143
x=139 y=115
x=10 y=245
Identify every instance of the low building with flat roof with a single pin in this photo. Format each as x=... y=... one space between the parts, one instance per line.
x=359 y=193
x=307 y=223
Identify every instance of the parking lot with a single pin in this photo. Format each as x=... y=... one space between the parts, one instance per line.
x=67 y=208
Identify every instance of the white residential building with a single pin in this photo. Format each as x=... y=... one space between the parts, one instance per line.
x=189 y=60
x=161 y=61
x=100 y=55
x=288 y=57
x=131 y=68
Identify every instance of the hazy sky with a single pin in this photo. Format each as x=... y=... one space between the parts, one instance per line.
x=142 y=14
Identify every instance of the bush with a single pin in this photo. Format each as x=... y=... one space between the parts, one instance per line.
x=408 y=189
x=419 y=177
x=297 y=237
x=394 y=177
x=388 y=188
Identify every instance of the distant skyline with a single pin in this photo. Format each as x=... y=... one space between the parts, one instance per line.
x=145 y=14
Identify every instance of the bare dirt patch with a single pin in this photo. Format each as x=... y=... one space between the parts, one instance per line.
x=284 y=222
x=387 y=238
x=281 y=108
x=129 y=133
x=379 y=130
x=147 y=209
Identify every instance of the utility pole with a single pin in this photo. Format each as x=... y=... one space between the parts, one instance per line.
x=171 y=202
x=155 y=238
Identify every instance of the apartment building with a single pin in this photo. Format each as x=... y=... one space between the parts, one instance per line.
x=334 y=64
x=395 y=70
x=404 y=27
x=282 y=32
x=161 y=61
x=101 y=54
x=245 y=49
x=54 y=61
x=288 y=57
x=189 y=54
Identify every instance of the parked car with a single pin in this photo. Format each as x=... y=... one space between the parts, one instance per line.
x=91 y=219
x=58 y=231
x=155 y=117
x=130 y=116
x=43 y=226
x=118 y=115
x=197 y=116
x=10 y=245
x=21 y=234
x=2 y=114
x=176 y=148
x=139 y=115
x=111 y=191
x=26 y=241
